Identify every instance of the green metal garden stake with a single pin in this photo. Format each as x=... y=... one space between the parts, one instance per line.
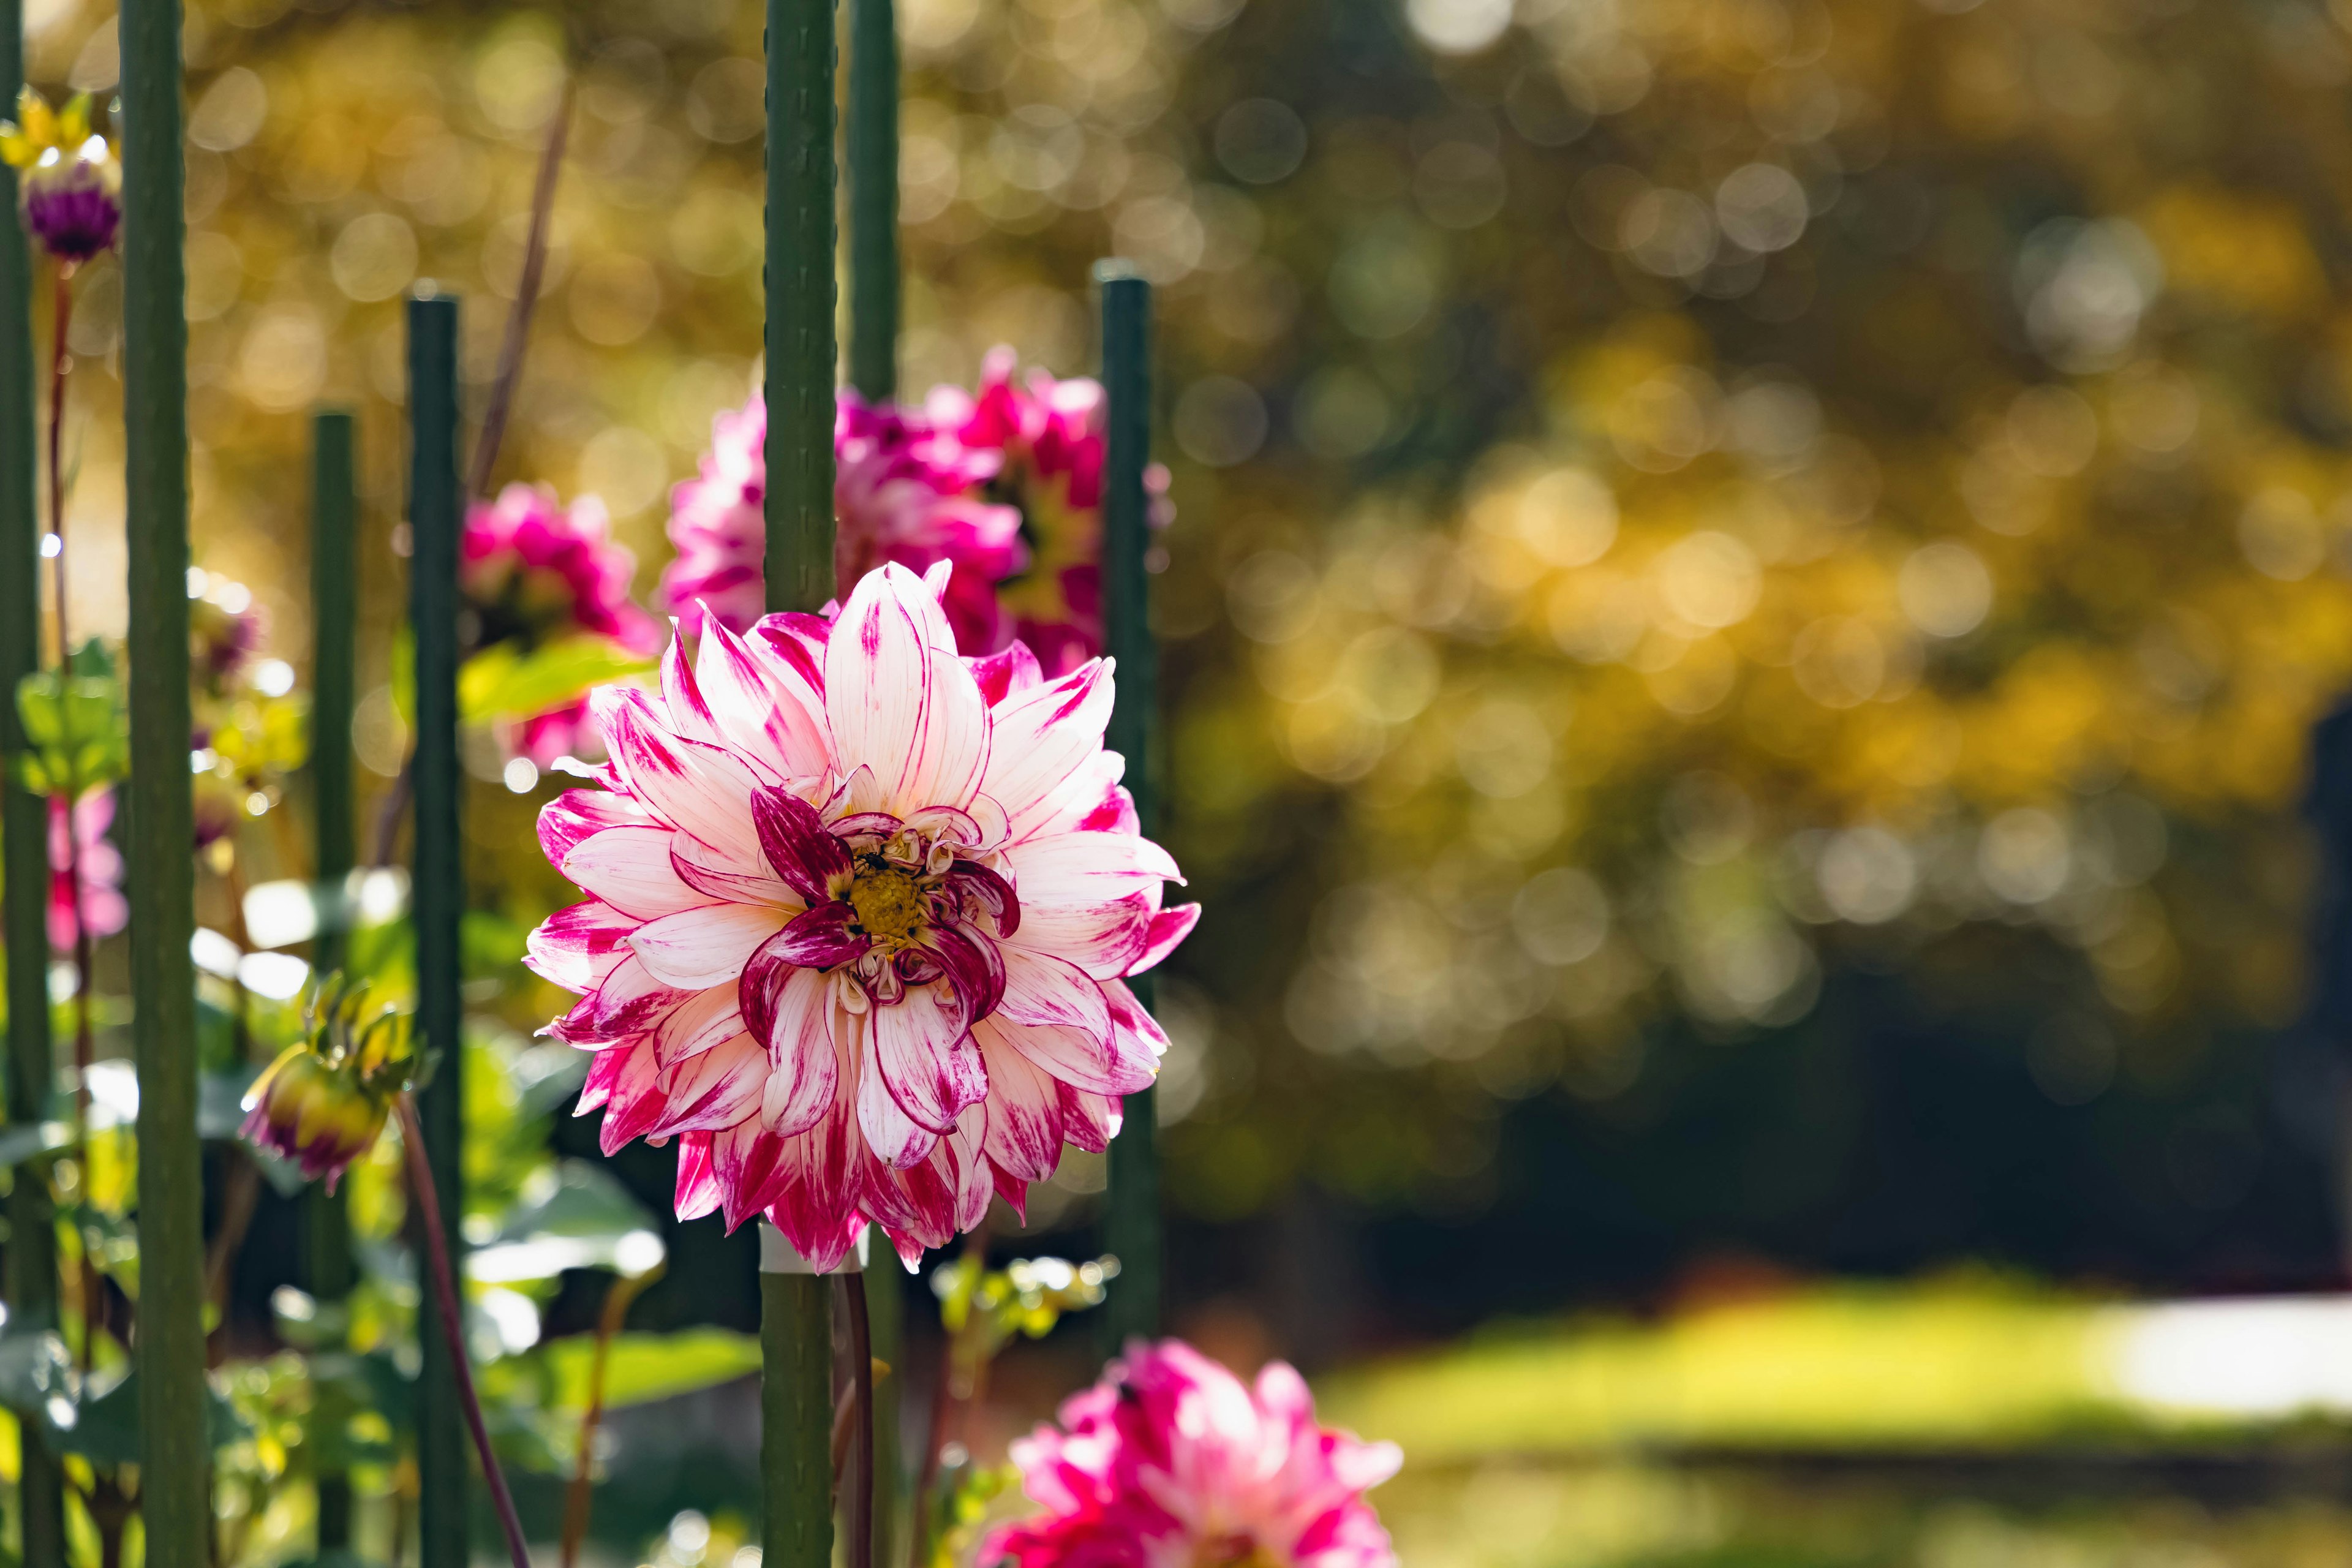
x=873 y=160
x=437 y=899
x=175 y=1471
x=795 y=1316
x=30 y=1068
x=334 y=617
x=1132 y=1221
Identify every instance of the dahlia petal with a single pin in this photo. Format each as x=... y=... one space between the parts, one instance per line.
x=1104 y=939
x=688 y=714
x=772 y=704
x=974 y=1184
x=877 y=687
x=751 y=1169
x=896 y=1139
x=578 y=813
x=976 y=884
x=1074 y=1056
x=629 y=869
x=715 y=1090
x=974 y=965
x=699 y=1192
x=1006 y=674
x=577 y=947
x=803 y=1066
x=1087 y=867
x=708 y=945
x=634 y=1104
x=1168 y=928
x=956 y=742
x=818 y=939
x=1042 y=736
x=734 y=873
x=1042 y=989
x=1025 y=1110
x=1076 y=798
x=630 y=1001
x=1090 y=1121
x=705 y=1019
x=703 y=789
x=1135 y=1034
x=803 y=851
x=926 y=1058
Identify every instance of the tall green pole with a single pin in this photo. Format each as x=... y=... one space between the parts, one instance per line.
x=437 y=899
x=1132 y=1221
x=334 y=648
x=175 y=1469
x=873 y=158
x=795 y=1316
x=30 y=1068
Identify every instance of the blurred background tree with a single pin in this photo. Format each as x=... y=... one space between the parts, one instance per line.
x=1750 y=584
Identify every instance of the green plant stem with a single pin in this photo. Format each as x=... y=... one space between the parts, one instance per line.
x=453 y=1325
x=526 y=299
x=174 y=1473
x=1132 y=1221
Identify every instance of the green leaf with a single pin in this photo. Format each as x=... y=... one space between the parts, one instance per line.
x=645 y=1367
x=105 y=1429
x=30 y=1140
x=504 y=682
x=35 y=1367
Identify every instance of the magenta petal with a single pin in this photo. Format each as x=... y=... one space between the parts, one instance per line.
x=797 y=845
x=819 y=939
x=1168 y=928
x=976 y=884
x=974 y=965
x=927 y=1059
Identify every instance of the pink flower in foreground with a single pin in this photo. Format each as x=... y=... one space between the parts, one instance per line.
x=89 y=854
x=901 y=493
x=1040 y=447
x=1171 y=1462
x=859 y=911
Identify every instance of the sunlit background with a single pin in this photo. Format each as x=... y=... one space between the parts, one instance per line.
x=1751 y=588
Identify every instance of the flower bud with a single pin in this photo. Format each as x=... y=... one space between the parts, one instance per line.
x=70 y=183
x=323 y=1102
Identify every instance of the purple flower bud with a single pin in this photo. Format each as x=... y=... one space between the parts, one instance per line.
x=74 y=208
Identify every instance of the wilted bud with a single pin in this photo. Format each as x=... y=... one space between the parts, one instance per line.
x=72 y=185
x=323 y=1103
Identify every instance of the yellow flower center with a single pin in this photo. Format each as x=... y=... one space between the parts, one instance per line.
x=889 y=902
x=1232 y=1552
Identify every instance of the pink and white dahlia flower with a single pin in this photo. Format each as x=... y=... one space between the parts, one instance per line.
x=859 y=913
x=1040 y=447
x=1171 y=1462
x=901 y=493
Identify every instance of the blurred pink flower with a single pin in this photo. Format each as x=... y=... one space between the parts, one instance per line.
x=1039 y=447
x=859 y=911
x=533 y=569
x=901 y=493
x=1171 y=1462
x=90 y=855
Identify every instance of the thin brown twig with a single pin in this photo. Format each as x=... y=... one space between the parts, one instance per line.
x=526 y=301
x=608 y=1328
x=434 y=1242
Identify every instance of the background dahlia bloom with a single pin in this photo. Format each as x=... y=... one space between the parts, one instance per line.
x=532 y=570
x=859 y=914
x=902 y=493
x=78 y=847
x=1171 y=1462
x=1039 y=445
